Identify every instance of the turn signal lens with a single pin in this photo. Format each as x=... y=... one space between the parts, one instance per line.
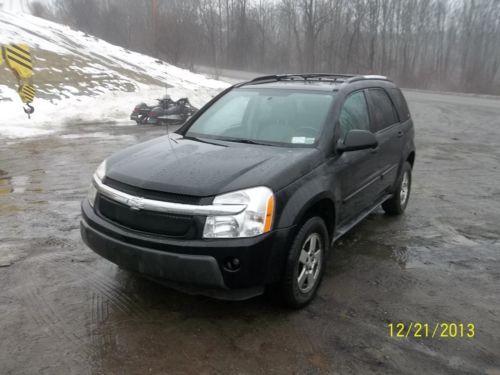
x=269 y=214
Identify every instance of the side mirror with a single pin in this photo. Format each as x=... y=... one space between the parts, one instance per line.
x=357 y=140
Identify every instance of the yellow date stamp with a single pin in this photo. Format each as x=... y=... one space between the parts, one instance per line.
x=431 y=330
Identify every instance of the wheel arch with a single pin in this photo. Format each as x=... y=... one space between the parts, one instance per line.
x=411 y=158
x=322 y=206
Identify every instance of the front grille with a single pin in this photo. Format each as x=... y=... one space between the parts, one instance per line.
x=146 y=221
x=152 y=194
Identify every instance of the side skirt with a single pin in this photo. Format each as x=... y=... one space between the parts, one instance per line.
x=339 y=232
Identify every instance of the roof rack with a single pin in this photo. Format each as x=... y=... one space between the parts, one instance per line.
x=302 y=76
x=328 y=77
x=367 y=77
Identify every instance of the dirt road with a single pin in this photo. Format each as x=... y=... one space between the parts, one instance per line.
x=64 y=310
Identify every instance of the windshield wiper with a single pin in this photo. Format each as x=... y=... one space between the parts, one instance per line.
x=246 y=141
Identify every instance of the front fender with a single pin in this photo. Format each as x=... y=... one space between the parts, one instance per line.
x=303 y=194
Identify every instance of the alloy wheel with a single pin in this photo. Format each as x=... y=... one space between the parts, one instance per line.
x=405 y=188
x=309 y=264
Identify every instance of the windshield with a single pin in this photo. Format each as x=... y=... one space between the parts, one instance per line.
x=269 y=116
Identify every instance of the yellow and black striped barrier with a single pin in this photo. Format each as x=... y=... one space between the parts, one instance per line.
x=27 y=93
x=18 y=59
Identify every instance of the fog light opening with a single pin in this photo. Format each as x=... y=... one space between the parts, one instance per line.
x=232 y=264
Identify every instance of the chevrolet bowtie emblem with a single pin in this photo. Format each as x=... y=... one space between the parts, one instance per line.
x=136 y=203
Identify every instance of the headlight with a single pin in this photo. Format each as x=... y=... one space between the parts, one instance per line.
x=256 y=219
x=92 y=194
x=99 y=174
x=101 y=171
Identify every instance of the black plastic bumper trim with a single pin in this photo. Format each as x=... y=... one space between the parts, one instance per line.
x=183 y=268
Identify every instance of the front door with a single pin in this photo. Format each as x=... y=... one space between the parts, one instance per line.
x=357 y=171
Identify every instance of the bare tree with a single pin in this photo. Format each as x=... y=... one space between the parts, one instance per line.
x=445 y=44
x=38 y=9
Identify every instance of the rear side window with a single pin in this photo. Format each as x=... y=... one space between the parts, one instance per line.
x=383 y=111
x=400 y=102
x=354 y=114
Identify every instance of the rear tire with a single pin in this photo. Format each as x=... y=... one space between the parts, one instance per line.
x=305 y=264
x=397 y=204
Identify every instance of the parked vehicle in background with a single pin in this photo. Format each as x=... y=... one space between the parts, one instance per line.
x=140 y=113
x=252 y=192
x=166 y=112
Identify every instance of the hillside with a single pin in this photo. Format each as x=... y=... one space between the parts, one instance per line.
x=80 y=78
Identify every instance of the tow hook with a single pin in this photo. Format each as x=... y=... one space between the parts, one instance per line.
x=29 y=109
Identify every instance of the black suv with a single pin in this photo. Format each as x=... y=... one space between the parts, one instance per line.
x=256 y=187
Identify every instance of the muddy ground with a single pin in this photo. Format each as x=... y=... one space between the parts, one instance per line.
x=64 y=310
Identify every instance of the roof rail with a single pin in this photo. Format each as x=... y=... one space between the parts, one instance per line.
x=300 y=76
x=330 y=77
x=366 y=77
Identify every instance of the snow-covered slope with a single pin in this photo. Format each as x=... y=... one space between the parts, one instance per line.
x=80 y=78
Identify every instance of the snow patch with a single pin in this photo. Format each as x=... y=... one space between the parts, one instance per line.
x=118 y=79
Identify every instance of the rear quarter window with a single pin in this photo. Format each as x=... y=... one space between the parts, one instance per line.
x=400 y=103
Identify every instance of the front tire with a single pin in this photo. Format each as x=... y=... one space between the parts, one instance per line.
x=397 y=204
x=305 y=264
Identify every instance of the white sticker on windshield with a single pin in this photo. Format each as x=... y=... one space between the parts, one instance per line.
x=303 y=140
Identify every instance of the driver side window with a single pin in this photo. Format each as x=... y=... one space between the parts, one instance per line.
x=354 y=114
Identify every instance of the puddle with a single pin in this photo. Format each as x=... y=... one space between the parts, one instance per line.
x=87 y=135
x=101 y=136
x=5 y=185
x=19 y=184
x=15 y=185
x=39 y=202
x=406 y=257
x=397 y=253
x=447 y=257
x=9 y=255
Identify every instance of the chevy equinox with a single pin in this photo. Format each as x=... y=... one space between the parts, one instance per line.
x=253 y=190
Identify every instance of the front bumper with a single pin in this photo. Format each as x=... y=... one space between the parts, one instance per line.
x=188 y=262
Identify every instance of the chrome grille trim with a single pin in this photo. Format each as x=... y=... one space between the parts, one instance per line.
x=139 y=203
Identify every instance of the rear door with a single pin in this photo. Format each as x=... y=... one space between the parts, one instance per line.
x=357 y=170
x=387 y=128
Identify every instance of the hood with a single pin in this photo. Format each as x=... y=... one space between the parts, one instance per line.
x=188 y=166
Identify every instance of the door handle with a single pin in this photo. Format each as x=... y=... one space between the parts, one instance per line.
x=374 y=150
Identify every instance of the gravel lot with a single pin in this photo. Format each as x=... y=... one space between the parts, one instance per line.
x=64 y=310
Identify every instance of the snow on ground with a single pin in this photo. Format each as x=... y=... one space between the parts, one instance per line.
x=83 y=79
